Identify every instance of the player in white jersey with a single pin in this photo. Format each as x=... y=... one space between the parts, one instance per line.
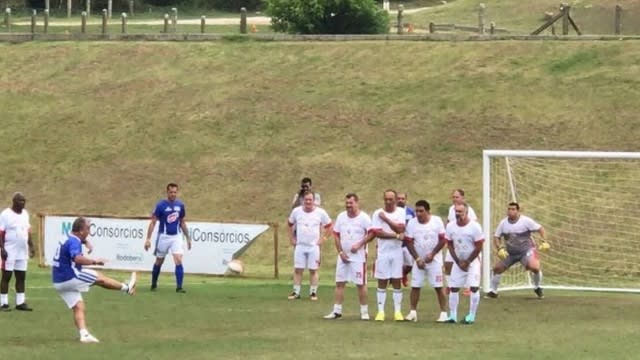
x=425 y=239
x=387 y=225
x=457 y=197
x=465 y=239
x=16 y=247
x=519 y=246
x=309 y=226
x=350 y=232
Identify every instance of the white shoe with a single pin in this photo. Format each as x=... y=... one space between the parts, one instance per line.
x=364 y=316
x=333 y=315
x=443 y=317
x=412 y=317
x=132 y=284
x=88 y=339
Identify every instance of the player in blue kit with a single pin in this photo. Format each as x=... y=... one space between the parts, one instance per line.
x=170 y=214
x=70 y=278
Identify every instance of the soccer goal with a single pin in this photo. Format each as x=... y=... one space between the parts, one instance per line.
x=589 y=204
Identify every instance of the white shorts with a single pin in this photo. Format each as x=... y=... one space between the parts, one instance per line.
x=352 y=271
x=12 y=264
x=470 y=278
x=168 y=244
x=389 y=265
x=406 y=257
x=70 y=290
x=306 y=257
x=432 y=271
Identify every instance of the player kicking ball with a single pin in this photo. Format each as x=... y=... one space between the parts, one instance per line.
x=465 y=239
x=516 y=230
x=70 y=279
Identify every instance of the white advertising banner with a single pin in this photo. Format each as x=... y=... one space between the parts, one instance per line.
x=121 y=242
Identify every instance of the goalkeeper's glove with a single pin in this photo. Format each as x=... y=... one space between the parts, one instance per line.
x=544 y=246
x=502 y=253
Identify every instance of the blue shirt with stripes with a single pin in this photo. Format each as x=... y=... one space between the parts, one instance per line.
x=64 y=268
x=169 y=215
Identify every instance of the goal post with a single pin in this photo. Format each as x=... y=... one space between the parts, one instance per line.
x=589 y=204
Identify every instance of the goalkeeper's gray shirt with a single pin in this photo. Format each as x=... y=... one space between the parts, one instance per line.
x=518 y=234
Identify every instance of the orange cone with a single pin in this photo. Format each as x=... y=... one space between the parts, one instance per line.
x=253 y=28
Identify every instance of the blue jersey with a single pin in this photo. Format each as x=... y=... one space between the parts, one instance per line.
x=410 y=214
x=169 y=215
x=64 y=268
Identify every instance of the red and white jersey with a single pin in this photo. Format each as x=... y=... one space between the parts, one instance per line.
x=309 y=225
x=398 y=217
x=464 y=238
x=426 y=236
x=352 y=230
x=16 y=229
x=452 y=214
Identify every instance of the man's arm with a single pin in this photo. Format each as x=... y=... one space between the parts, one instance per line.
x=396 y=227
x=292 y=238
x=343 y=256
x=83 y=260
x=32 y=250
x=452 y=251
x=477 y=248
x=543 y=233
x=152 y=225
x=3 y=252
x=441 y=242
x=325 y=232
x=185 y=231
x=412 y=250
x=497 y=242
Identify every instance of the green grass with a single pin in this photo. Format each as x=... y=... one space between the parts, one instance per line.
x=101 y=127
x=593 y=17
x=248 y=319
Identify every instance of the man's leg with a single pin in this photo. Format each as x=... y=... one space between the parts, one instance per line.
x=111 y=284
x=179 y=272
x=4 y=289
x=314 y=277
x=533 y=265
x=498 y=269
x=155 y=273
x=297 y=281
x=362 y=298
x=338 y=299
x=381 y=296
x=21 y=276
x=79 y=319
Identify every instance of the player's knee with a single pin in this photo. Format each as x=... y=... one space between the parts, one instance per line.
x=454 y=290
x=474 y=289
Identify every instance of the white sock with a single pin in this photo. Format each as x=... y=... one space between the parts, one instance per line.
x=474 y=301
x=453 y=305
x=19 y=298
x=337 y=308
x=4 y=299
x=537 y=279
x=124 y=287
x=413 y=312
x=84 y=332
x=495 y=282
x=382 y=299
x=397 y=300
x=296 y=289
x=313 y=289
x=364 y=309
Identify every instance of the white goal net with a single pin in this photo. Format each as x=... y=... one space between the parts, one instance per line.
x=589 y=204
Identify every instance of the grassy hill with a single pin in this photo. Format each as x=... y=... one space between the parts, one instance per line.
x=102 y=127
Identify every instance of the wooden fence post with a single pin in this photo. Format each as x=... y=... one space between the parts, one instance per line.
x=565 y=8
x=166 y=23
x=88 y=8
x=33 y=21
x=400 y=24
x=69 y=8
x=7 y=19
x=203 y=23
x=124 y=22
x=83 y=22
x=131 y=3
x=110 y=8
x=432 y=28
x=385 y=5
x=46 y=21
x=105 y=16
x=618 y=20
x=243 y=20
x=492 y=28
x=481 y=13
x=174 y=19
x=46 y=4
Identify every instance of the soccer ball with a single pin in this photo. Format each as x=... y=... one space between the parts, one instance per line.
x=236 y=266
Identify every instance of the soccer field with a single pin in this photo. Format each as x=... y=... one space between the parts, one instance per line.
x=251 y=319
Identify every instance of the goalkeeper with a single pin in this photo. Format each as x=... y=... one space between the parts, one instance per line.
x=518 y=246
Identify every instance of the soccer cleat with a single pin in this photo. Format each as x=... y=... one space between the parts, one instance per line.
x=443 y=317
x=364 y=316
x=23 y=307
x=154 y=287
x=539 y=292
x=181 y=291
x=379 y=316
x=451 y=320
x=469 y=319
x=397 y=316
x=332 y=316
x=491 y=294
x=132 y=284
x=5 y=307
x=313 y=297
x=293 y=296
x=412 y=317
x=87 y=339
